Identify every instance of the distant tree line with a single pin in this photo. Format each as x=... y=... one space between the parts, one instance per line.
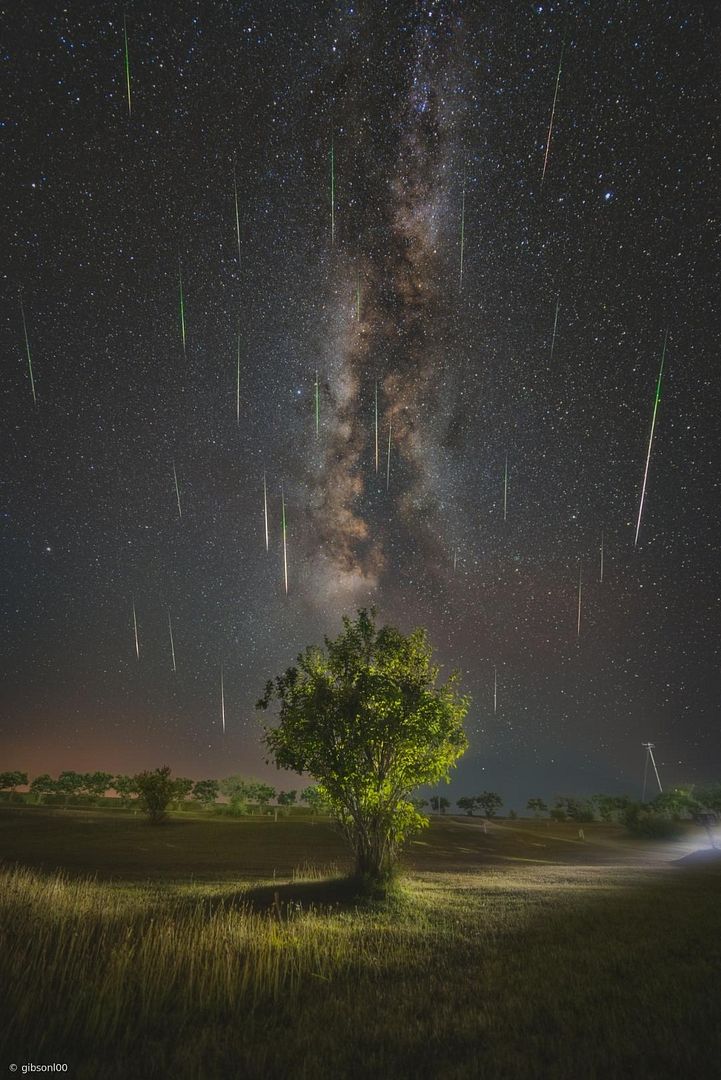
x=156 y=790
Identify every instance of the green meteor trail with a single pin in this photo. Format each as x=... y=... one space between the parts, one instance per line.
x=237 y=386
x=553 y=113
x=27 y=351
x=463 y=229
x=285 y=544
x=182 y=305
x=600 y=575
x=332 y=193
x=650 y=438
x=388 y=461
x=237 y=215
x=317 y=406
x=376 y=425
x=127 y=64
x=505 y=489
x=555 y=324
x=222 y=699
x=265 y=510
x=135 y=630
x=172 y=643
x=177 y=491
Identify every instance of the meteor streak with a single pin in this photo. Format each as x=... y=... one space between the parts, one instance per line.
x=127 y=64
x=555 y=324
x=388 y=462
x=495 y=689
x=463 y=230
x=27 y=350
x=237 y=215
x=172 y=643
x=332 y=193
x=358 y=298
x=222 y=699
x=600 y=575
x=135 y=629
x=237 y=386
x=182 y=305
x=553 y=113
x=285 y=545
x=505 y=489
x=265 y=510
x=580 y=587
x=376 y=426
x=650 y=438
x=317 y=405
x=177 y=490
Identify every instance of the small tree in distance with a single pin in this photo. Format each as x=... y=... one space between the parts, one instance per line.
x=286 y=798
x=367 y=719
x=315 y=799
x=538 y=806
x=489 y=802
x=182 y=788
x=155 y=789
x=126 y=788
x=439 y=803
x=43 y=785
x=467 y=803
x=206 y=791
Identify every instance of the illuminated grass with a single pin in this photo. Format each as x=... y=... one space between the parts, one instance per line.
x=549 y=969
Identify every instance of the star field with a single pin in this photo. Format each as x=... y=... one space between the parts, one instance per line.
x=360 y=140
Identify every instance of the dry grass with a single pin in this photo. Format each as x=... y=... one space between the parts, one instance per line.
x=520 y=969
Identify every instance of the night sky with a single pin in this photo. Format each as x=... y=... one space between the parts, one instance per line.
x=367 y=144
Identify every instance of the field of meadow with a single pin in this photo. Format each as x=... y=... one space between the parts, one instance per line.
x=215 y=947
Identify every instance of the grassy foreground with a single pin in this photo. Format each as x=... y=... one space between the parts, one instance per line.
x=520 y=953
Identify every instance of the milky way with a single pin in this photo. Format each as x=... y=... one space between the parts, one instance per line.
x=202 y=308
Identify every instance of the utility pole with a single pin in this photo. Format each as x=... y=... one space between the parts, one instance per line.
x=649 y=746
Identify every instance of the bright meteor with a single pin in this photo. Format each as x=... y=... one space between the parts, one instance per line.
x=265 y=510
x=127 y=64
x=172 y=643
x=285 y=544
x=463 y=230
x=553 y=113
x=135 y=630
x=177 y=491
x=650 y=438
x=182 y=305
x=27 y=351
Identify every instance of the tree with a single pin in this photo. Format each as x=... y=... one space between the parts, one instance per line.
x=579 y=810
x=538 y=806
x=11 y=780
x=611 y=807
x=43 y=785
x=206 y=791
x=235 y=788
x=419 y=804
x=260 y=792
x=97 y=783
x=467 y=803
x=439 y=803
x=489 y=802
x=126 y=788
x=676 y=803
x=710 y=797
x=155 y=789
x=286 y=798
x=70 y=783
x=367 y=719
x=182 y=788
x=315 y=799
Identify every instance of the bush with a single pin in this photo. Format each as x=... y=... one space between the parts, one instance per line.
x=645 y=821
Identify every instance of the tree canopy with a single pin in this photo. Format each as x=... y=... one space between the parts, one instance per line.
x=367 y=718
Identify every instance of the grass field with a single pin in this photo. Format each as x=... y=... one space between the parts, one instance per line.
x=222 y=948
